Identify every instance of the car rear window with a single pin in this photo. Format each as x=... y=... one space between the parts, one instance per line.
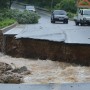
x=30 y=8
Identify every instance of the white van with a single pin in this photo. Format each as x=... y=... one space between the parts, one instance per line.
x=30 y=8
x=83 y=17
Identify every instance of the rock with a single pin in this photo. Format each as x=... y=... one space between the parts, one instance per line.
x=12 y=78
x=4 y=67
x=10 y=75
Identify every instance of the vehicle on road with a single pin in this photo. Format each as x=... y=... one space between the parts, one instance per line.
x=83 y=12
x=59 y=15
x=30 y=8
x=83 y=17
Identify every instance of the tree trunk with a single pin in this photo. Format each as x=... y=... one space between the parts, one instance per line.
x=10 y=3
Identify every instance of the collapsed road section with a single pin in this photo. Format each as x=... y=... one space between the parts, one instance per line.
x=70 y=46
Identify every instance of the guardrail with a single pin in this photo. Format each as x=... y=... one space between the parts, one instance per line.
x=43 y=9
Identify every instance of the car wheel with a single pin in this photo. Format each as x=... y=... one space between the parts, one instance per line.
x=64 y=22
x=88 y=24
x=67 y=22
x=77 y=23
x=52 y=21
x=82 y=24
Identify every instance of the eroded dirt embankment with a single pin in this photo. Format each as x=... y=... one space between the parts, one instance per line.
x=59 y=51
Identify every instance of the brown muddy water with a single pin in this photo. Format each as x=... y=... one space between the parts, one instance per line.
x=47 y=71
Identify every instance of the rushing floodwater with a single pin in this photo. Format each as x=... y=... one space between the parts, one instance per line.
x=47 y=71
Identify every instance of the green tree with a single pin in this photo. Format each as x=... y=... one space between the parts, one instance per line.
x=68 y=5
x=5 y=3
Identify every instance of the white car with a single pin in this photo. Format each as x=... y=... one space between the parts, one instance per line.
x=30 y=8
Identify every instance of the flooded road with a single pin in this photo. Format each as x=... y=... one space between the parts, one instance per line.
x=47 y=71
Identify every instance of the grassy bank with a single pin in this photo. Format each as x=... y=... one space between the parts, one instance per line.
x=6 y=22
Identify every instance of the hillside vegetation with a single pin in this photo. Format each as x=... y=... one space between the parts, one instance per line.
x=68 y=5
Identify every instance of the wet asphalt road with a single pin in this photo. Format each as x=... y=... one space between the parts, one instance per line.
x=72 y=33
x=45 y=21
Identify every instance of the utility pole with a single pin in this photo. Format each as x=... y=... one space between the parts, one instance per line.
x=10 y=3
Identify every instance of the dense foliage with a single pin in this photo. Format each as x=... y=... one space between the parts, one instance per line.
x=8 y=16
x=68 y=5
x=28 y=17
x=5 y=3
x=4 y=20
x=25 y=17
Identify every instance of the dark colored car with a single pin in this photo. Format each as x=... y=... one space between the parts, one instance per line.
x=59 y=15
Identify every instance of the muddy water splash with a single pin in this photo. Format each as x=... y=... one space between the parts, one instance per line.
x=57 y=72
x=47 y=71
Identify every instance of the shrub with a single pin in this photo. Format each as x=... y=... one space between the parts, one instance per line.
x=12 y=13
x=25 y=17
x=70 y=15
x=1 y=17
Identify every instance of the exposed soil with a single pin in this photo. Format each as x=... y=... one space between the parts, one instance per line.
x=47 y=71
x=42 y=49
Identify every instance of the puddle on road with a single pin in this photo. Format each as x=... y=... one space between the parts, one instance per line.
x=47 y=71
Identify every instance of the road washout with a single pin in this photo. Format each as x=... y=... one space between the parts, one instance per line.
x=47 y=71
